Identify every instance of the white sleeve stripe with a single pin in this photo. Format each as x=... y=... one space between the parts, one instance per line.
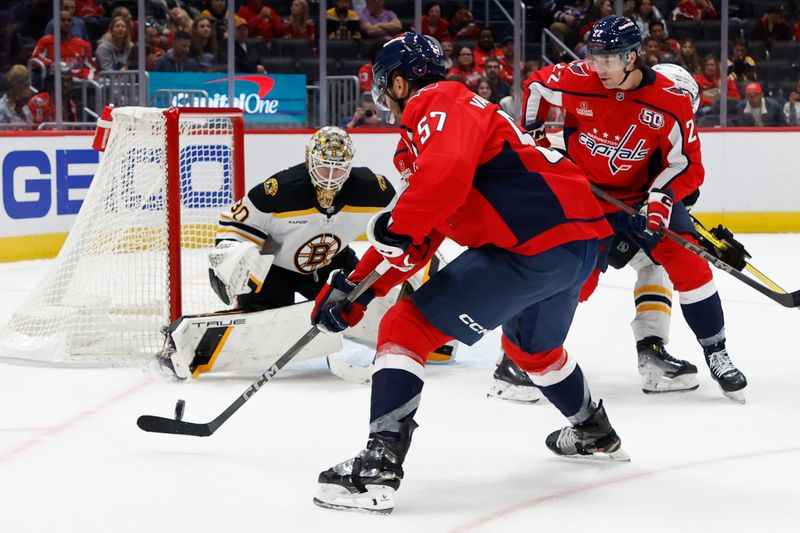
x=539 y=91
x=677 y=160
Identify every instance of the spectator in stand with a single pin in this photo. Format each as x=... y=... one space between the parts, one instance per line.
x=377 y=22
x=365 y=115
x=298 y=24
x=651 y=51
x=741 y=66
x=93 y=15
x=491 y=71
x=659 y=32
x=42 y=106
x=152 y=42
x=566 y=16
x=484 y=48
x=179 y=20
x=756 y=110
x=177 y=58
x=343 y=22
x=133 y=25
x=262 y=20
x=464 y=67
x=791 y=109
x=205 y=46
x=600 y=9
x=507 y=61
x=246 y=58
x=13 y=108
x=708 y=81
x=486 y=90
x=114 y=47
x=773 y=25
x=695 y=10
x=462 y=25
x=78 y=26
x=365 y=72
x=447 y=48
x=433 y=24
x=689 y=58
x=644 y=12
x=75 y=52
x=217 y=11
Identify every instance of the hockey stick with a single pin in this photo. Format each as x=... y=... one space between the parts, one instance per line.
x=786 y=299
x=158 y=424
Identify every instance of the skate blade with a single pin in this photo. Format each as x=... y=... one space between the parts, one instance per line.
x=378 y=499
x=659 y=384
x=736 y=396
x=619 y=455
x=514 y=394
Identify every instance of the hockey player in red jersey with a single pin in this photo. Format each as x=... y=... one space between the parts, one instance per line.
x=633 y=133
x=532 y=228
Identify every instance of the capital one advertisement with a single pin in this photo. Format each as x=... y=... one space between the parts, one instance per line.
x=264 y=98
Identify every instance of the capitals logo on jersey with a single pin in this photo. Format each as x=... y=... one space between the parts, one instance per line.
x=615 y=149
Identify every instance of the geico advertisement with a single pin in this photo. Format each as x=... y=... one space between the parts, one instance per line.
x=45 y=180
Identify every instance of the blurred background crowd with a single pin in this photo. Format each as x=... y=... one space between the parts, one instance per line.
x=101 y=60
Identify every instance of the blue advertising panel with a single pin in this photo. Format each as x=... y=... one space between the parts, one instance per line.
x=264 y=98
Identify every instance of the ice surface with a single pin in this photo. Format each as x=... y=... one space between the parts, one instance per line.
x=73 y=460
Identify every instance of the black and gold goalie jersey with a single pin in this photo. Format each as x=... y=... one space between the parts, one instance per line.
x=282 y=216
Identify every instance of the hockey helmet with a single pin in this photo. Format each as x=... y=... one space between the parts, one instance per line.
x=415 y=56
x=613 y=36
x=329 y=159
x=681 y=77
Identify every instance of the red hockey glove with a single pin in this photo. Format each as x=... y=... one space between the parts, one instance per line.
x=657 y=211
x=399 y=250
x=332 y=313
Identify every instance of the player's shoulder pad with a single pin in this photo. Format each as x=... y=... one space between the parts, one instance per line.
x=288 y=190
x=364 y=188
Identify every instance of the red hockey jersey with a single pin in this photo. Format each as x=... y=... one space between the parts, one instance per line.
x=477 y=179
x=75 y=52
x=625 y=141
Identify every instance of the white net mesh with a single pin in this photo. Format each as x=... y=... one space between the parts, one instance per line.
x=107 y=296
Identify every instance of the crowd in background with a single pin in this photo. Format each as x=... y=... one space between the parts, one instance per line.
x=282 y=36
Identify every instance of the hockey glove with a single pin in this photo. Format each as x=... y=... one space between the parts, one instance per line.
x=399 y=250
x=537 y=131
x=332 y=312
x=732 y=251
x=656 y=212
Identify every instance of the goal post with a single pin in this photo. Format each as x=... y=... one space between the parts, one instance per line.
x=136 y=256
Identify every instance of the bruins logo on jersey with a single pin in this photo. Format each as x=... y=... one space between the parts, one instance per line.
x=381 y=182
x=317 y=252
x=271 y=186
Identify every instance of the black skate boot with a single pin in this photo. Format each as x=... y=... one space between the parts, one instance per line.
x=367 y=482
x=730 y=379
x=593 y=439
x=513 y=384
x=660 y=371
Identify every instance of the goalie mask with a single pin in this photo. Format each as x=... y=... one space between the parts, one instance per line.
x=329 y=158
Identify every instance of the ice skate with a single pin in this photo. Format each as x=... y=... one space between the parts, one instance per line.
x=366 y=483
x=592 y=439
x=661 y=372
x=513 y=384
x=728 y=377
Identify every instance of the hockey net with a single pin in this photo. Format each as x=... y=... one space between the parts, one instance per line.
x=136 y=257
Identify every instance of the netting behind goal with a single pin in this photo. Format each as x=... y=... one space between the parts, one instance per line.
x=136 y=257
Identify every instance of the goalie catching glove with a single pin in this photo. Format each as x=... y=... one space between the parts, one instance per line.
x=399 y=250
x=332 y=312
x=237 y=268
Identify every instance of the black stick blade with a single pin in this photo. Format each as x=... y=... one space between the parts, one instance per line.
x=159 y=424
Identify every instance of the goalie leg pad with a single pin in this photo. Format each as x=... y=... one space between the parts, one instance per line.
x=248 y=341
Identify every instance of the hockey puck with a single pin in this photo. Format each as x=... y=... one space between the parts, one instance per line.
x=179 y=407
